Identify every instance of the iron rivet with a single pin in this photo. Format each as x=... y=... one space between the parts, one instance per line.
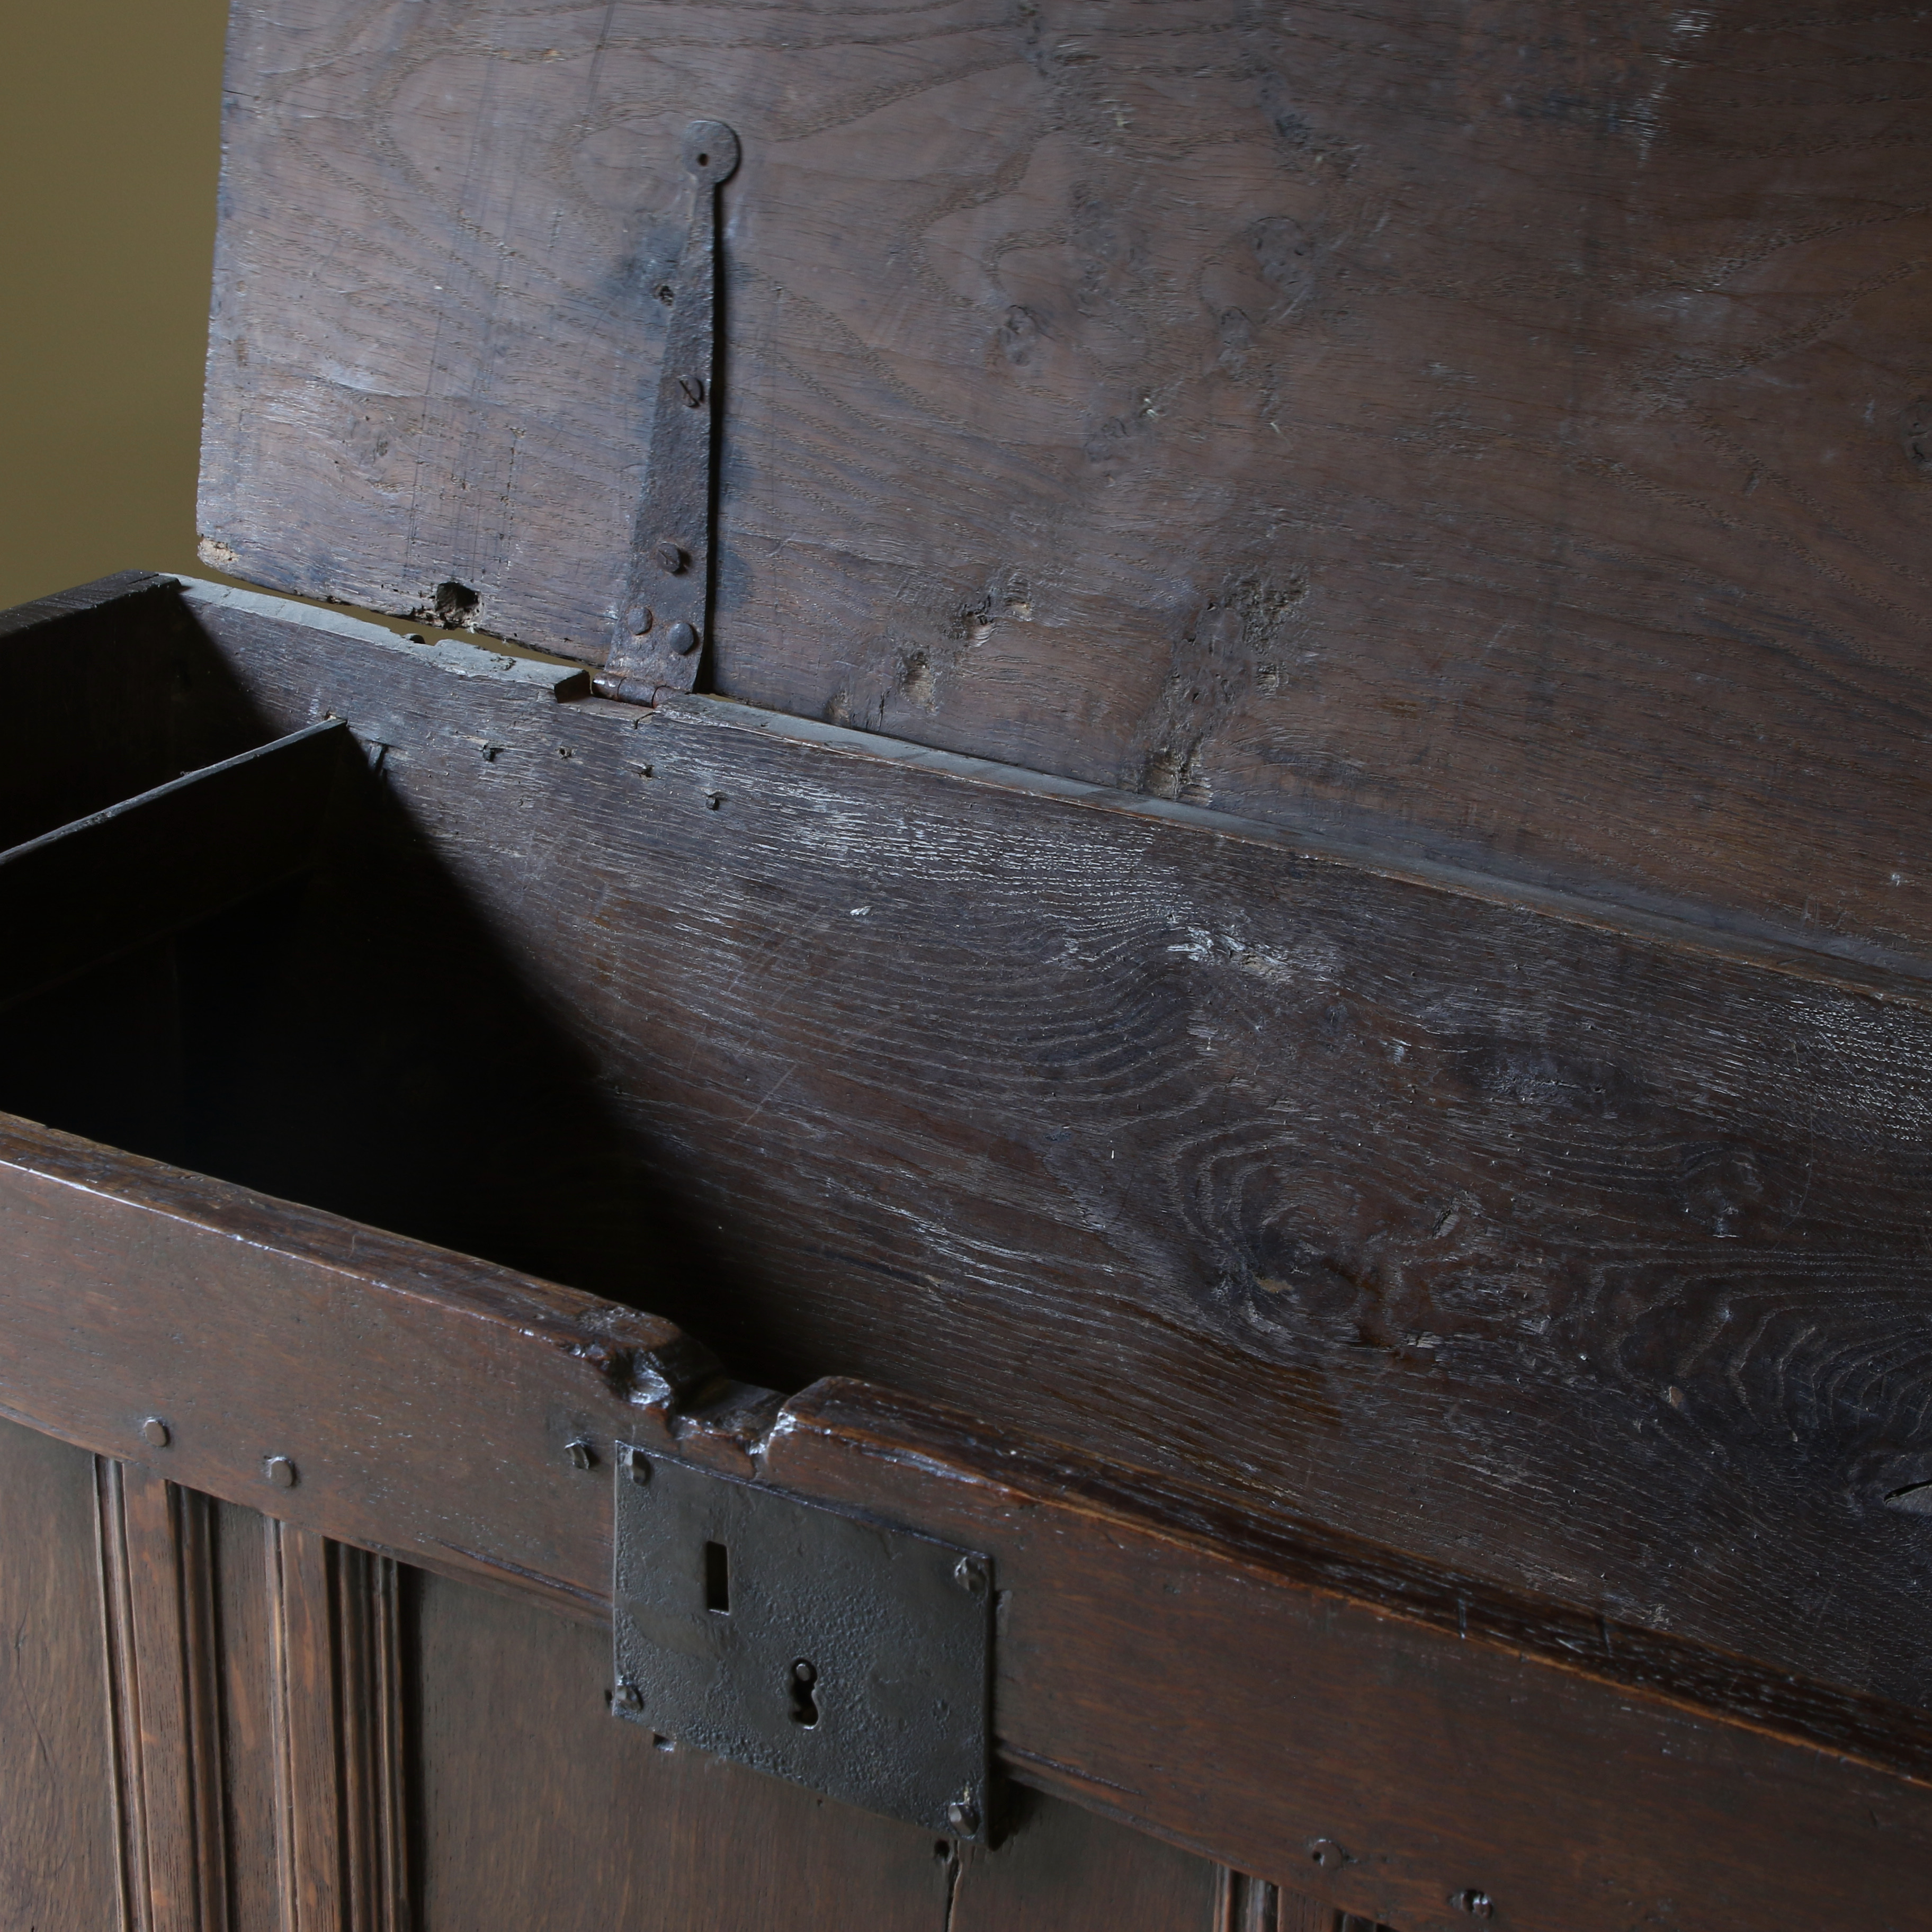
x=963 y=1817
x=670 y=556
x=155 y=1433
x=969 y=1576
x=280 y=1470
x=693 y=387
x=1476 y=1904
x=639 y=618
x=625 y=1697
x=804 y=1673
x=681 y=639
x=579 y=1454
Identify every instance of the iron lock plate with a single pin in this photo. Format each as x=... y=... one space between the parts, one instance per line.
x=825 y=1648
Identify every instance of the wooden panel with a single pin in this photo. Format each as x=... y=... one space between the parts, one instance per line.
x=1057 y=1869
x=59 y=1861
x=336 y=1706
x=1497 y=433
x=539 y=1809
x=158 y=1566
x=1320 y=1712
x=252 y=1782
x=1585 y=1258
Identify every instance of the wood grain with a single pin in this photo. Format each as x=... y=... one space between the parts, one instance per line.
x=539 y=1809
x=1579 y=1256
x=1492 y=433
x=59 y=1860
x=337 y=1701
x=157 y=1562
x=1332 y=1717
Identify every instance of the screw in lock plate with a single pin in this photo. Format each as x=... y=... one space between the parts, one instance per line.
x=970 y=1574
x=670 y=557
x=156 y=1433
x=963 y=1815
x=626 y=1698
x=692 y=387
x=635 y=1464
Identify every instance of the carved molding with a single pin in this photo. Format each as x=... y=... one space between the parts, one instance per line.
x=336 y=1706
x=158 y=1598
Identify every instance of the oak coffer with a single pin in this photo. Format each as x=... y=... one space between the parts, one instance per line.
x=1123 y=1121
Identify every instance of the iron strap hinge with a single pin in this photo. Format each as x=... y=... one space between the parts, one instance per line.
x=842 y=1653
x=663 y=623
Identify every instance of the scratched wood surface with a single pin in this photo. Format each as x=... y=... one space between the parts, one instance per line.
x=1503 y=433
x=1586 y=1261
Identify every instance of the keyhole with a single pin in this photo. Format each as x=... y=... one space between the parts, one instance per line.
x=704 y=160
x=717 y=1579
x=804 y=1706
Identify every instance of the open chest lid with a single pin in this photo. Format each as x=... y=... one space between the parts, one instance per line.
x=1453 y=439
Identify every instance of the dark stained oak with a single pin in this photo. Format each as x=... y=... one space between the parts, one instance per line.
x=1576 y=1253
x=158 y=1593
x=1058 y=1867
x=539 y=1808
x=60 y=1861
x=1498 y=433
x=1336 y=1719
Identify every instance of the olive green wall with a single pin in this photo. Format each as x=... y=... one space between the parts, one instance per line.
x=109 y=141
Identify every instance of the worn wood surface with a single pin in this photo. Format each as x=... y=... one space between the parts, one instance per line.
x=1324 y=1715
x=1498 y=433
x=1584 y=1260
x=539 y=1808
x=59 y=1860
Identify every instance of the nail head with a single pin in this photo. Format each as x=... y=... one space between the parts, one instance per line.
x=280 y=1470
x=681 y=639
x=155 y=1433
x=626 y=1698
x=963 y=1817
x=639 y=619
x=580 y=1453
